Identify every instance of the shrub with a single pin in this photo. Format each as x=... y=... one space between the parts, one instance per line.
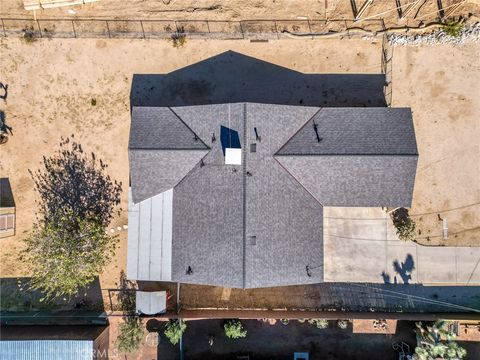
x=174 y=330
x=29 y=35
x=430 y=343
x=342 y=324
x=179 y=38
x=453 y=28
x=234 y=329
x=404 y=224
x=319 y=323
x=130 y=334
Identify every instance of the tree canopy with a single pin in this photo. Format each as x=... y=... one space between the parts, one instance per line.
x=66 y=255
x=76 y=183
x=68 y=245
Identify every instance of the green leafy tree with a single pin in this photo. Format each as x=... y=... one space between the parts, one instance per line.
x=436 y=342
x=131 y=333
x=174 y=330
x=69 y=246
x=319 y=323
x=66 y=255
x=234 y=329
x=406 y=228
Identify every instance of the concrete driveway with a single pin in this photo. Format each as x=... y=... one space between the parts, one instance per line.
x=360 y=245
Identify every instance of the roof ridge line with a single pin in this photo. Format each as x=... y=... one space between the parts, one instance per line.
x=167 y=149
x=347 y=154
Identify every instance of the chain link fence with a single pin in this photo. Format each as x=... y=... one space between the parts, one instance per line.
x=166 y=29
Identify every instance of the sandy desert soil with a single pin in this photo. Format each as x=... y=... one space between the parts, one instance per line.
x=51 y=84
x=241 y=10
x=439 y=84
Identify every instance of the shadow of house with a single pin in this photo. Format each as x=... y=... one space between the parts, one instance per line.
x=231 y=77
x=23 y=306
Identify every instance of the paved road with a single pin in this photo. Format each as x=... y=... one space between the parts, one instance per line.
x=360 y=245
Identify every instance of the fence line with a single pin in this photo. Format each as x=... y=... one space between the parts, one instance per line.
x=165 y=29
x=387 y=69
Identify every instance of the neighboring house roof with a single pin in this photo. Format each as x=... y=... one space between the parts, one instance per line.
x=46 y=349
x=260 y=224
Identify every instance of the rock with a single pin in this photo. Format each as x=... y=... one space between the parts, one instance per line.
x=469 y=33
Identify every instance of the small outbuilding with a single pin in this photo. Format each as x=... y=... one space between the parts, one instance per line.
x=7 y=209
x=151 y=303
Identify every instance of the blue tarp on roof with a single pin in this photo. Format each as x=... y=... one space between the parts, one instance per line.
x=46 y=349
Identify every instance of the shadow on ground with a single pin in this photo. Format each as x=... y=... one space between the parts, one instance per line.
x=23 y=306
x=232 y=77
x=279 y=341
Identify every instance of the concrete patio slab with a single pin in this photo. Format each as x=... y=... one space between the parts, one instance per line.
x=469 y=271
x=437 y=265
x=361 y=245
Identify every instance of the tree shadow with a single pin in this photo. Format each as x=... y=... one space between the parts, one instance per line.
x=403 y=269
x=3 y=91
x=74 y=180
x=22 y=305
x=3 y=124
x=126 y=294
x=233 y=77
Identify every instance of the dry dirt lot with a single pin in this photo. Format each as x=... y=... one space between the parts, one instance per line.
x=243 y=9
x=52 y=82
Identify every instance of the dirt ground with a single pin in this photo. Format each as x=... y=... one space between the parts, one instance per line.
x=439 y=84
x=244 y=9
x=52 y=82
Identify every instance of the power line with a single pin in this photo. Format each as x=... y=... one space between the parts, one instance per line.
x=420 y=298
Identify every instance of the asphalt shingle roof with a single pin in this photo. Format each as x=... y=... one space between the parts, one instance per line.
x=260 y=224
x=355 y=131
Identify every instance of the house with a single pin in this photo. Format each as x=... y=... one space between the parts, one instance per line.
x=233 y=194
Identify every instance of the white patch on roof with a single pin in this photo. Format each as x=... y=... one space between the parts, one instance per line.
x=150 y=225
x=233 y=156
